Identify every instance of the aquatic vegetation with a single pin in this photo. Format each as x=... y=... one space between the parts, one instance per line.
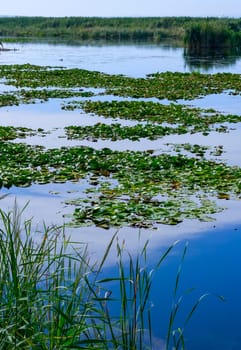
x=79 y=29
x=32 y=76
x=106 y=212
x=212 y=35
x=140 y=189
x=168 y=85
x=116 y=132
x=7 y=99
x=11 y=133
x=129 y=29
x=197 y=150
x=147 y=111
x=54 y=295
x=30 y=95
x=174 y=86
x=184 y=118
x=155 y=188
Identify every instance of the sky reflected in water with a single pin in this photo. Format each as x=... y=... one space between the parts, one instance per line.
x=132 y=59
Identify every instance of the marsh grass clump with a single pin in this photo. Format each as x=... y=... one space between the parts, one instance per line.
x=41 y=303
x=52 y=296
x=211 y=35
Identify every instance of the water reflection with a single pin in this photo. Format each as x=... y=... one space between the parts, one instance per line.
x=208 y=60
x=136 y=59
x=47 y=205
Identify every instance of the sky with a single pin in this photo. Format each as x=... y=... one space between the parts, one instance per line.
x=115 y=8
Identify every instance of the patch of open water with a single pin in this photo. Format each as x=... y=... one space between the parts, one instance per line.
x=223 y=103
x=129 y=59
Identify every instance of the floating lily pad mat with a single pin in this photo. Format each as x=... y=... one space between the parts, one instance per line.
x=125 y=188
x=168 y=85
x=11 y=133
x=33 y=95
x=181 y=120
x=118 y=132
x=155 y=112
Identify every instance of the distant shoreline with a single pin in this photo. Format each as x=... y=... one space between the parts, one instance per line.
x=194 y=33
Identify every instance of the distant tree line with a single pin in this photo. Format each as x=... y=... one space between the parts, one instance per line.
x=196 y=33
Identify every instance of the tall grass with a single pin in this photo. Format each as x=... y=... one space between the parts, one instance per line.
x=204 y=37
x=44 y=299
x=53 y=297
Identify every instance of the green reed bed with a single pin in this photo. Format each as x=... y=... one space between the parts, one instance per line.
x=36 y=309
x=86 y=29
x=53 y=296
x=195 y=32
x=212 y=35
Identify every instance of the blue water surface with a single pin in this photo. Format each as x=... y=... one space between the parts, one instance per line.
x=212 y=264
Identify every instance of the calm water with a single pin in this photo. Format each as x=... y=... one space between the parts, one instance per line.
x=133 y=60
x=213 y=262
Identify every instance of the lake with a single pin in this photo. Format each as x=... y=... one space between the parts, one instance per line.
x=213 y=263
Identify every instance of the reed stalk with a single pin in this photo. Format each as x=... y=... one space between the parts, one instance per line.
x=52 y=297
